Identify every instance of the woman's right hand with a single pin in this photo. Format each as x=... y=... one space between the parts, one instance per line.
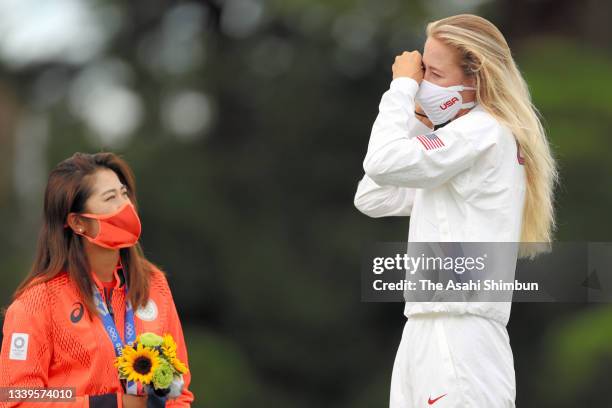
x=408 y=64
x=134 y=401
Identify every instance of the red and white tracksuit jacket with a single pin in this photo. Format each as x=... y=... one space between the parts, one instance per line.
x=65 y=348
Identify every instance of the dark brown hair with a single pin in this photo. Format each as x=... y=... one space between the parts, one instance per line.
x=59 y=249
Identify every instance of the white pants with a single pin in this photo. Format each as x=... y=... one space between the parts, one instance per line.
x=451 y=360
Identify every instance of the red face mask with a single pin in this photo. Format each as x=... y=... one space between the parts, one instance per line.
x=119 y=229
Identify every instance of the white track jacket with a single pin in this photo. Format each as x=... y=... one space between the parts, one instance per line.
x=464 y=182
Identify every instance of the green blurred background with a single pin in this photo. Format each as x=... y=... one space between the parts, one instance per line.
x=246 y=123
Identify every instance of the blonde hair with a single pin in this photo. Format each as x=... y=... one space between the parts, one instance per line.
x=502 y=91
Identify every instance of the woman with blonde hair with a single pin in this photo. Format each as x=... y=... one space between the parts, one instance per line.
x=459 y=147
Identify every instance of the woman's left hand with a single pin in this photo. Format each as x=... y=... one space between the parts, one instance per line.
x=409 y=65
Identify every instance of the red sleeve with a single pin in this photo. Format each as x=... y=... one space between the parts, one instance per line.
x=27 y=347
x=175 y=329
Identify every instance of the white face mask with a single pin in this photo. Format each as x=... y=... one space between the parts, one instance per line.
x=441 y=104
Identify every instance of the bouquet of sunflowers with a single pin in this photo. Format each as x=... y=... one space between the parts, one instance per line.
x=152 y=361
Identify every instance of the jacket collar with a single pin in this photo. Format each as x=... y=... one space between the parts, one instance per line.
x=119 y=277
x=476 y=108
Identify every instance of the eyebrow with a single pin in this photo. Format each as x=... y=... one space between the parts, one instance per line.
x=112 y=190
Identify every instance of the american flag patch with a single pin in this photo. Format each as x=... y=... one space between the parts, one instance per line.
x=430 y=141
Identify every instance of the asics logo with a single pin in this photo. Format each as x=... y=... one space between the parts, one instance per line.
x=77 y=312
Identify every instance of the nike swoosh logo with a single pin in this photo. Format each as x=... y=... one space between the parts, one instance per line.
x=432 y=401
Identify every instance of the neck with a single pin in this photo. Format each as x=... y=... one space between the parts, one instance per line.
x=462 y=112
x=102 y=261
x=466 y=99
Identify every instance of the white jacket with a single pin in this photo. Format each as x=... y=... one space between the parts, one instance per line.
x=463 y=183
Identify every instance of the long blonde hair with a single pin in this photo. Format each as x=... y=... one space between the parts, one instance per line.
x=502 y=91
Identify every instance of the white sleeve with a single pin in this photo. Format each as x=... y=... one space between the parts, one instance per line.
x=383 y=201
x=375 y=200
x=425 y=161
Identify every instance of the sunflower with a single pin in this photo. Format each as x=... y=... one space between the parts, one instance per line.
x=178 y=365
x=168 y=347
x=138 y=364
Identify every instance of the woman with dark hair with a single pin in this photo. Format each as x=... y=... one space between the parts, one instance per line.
x=88 y=265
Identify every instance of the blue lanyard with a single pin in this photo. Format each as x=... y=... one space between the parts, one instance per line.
x=109 y=323
x=111 y=328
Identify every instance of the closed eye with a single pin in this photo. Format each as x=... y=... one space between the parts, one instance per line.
x=113 y=196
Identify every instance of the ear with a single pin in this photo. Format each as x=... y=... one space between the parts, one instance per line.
x=76 y=223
